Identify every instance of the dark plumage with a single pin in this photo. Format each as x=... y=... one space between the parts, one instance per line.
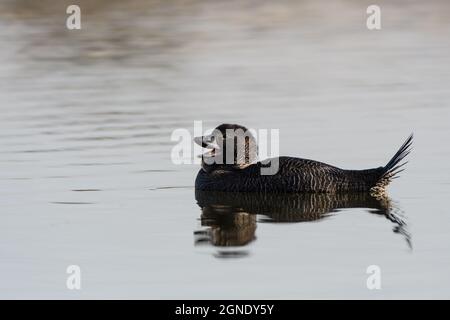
x=243 y=174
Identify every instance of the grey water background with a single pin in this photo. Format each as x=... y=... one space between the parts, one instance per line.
x=85 y=123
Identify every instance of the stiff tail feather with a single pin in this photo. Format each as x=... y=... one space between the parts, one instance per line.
x=393 y=167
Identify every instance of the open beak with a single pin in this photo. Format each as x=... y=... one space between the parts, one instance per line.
x=205 y=141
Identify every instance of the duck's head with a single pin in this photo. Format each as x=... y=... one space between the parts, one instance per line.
x=231 y=147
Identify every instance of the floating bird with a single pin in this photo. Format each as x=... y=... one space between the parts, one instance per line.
x=231 y=165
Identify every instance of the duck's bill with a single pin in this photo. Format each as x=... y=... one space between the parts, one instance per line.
x=206 y=142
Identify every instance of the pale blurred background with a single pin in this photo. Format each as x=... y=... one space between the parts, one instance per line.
x=85 y=123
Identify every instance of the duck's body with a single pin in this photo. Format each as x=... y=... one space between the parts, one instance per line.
x=294 y=175
x=298 y=175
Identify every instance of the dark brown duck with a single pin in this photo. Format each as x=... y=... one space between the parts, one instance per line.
x=243 y=172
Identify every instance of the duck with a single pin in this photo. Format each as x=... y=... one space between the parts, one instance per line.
x=231 y=164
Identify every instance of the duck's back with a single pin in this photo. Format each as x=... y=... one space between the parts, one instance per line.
x=293 y=175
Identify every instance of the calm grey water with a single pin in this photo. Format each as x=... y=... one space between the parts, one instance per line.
x=86 y=117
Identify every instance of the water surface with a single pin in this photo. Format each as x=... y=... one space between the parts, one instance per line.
x=86 y=176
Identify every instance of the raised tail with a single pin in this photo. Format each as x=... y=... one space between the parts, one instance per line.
x=392 y=168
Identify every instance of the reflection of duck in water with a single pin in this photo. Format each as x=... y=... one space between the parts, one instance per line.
x=231 y=165
x=231 y=217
